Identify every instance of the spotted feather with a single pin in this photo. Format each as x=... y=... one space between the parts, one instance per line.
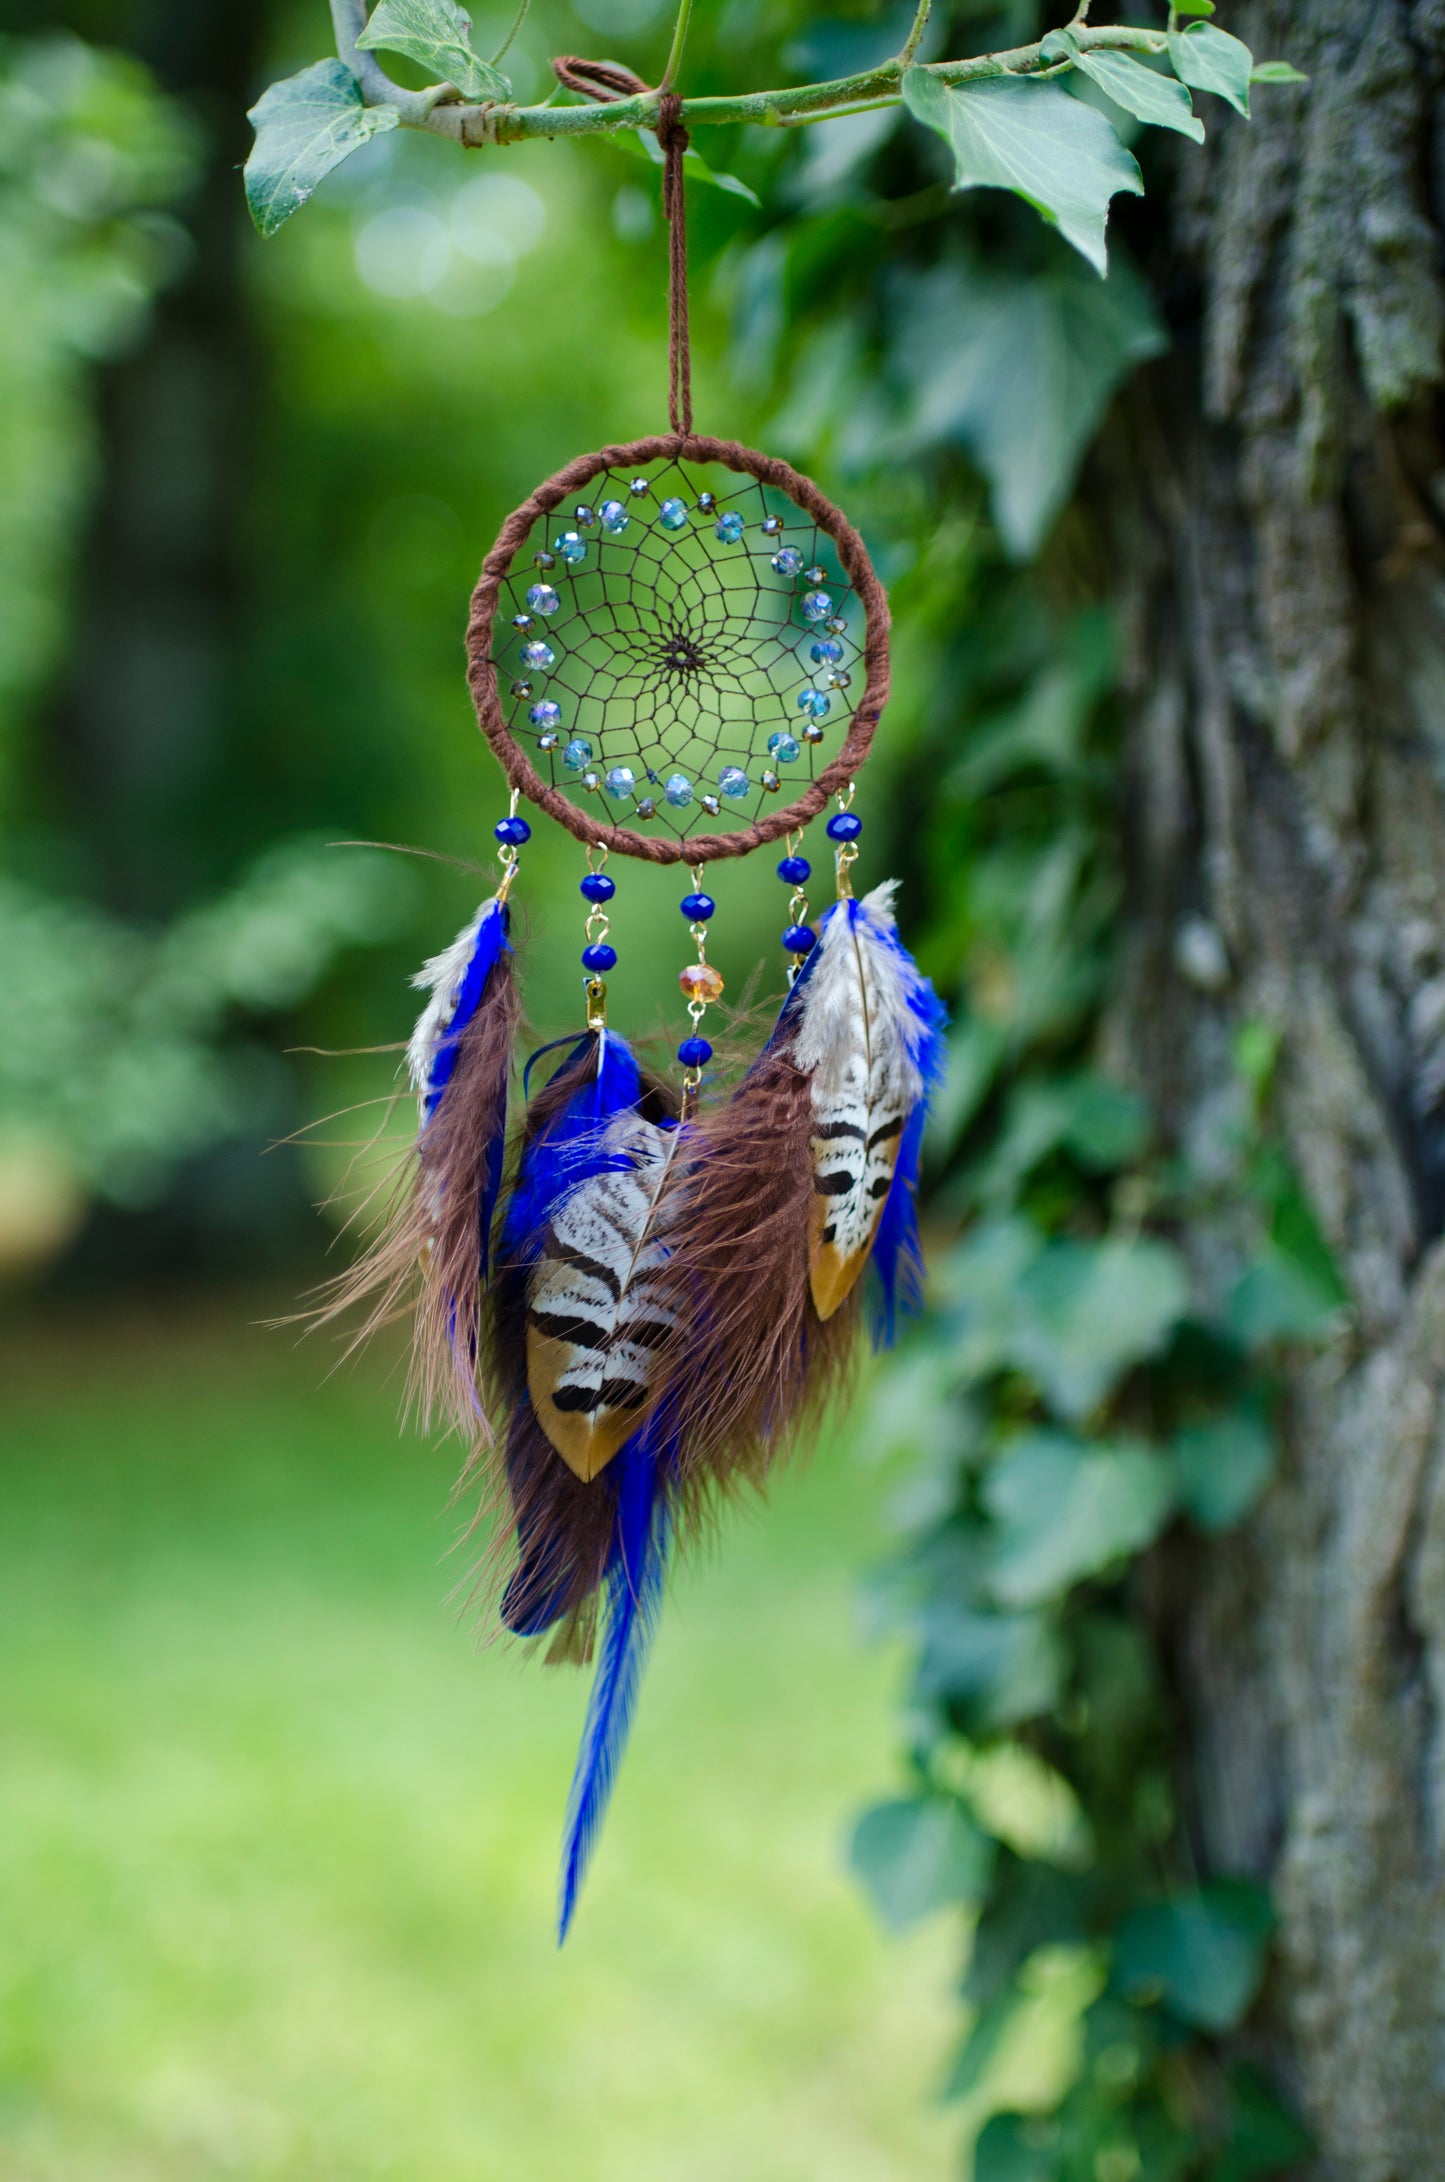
x=599 y=1306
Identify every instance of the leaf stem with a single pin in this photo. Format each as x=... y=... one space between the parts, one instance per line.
x=507 y=43
x=915 y=35
x=679 y=39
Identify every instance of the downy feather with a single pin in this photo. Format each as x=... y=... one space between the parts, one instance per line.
x=601 y=1302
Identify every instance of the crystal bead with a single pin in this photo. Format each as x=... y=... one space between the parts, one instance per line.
x=673 y=515
x=597 y=887
x=711 y=805
x=788 y=561
x=730 y=526
x=697 y=908
x=826 y=652
x=812 y=732
x=733 y=781
x=840 y=678
x=844 y=826
x=646 y=807
x=598 y=960
x=784 y=748
x=512 y=832
x=816 y=702
x=549 y=741
x=546 y=714
x=706 y=502
x=816 y=605
x=592 y=780
x=584 y=517
x=542 y=599
x=694 y=1053
x=799 y=939
x=523 y=621
x=815 y=574
x=836 y=625
x=522 y=687
x=639 y=488
x=615 y=517
x=621 y=780
x=772 y=524
x=577 y=753
x=772 y=783
x=678 y=790
x=538 y=654
x=572 y=548
x=795 y=871
x=544 y=560
x=700 y=981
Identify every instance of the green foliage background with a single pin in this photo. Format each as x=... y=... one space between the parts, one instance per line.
x=420 y=347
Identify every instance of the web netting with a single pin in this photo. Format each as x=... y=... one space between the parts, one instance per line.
x=677 y=647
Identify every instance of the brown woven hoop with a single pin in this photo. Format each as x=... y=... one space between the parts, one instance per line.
x=623 y=840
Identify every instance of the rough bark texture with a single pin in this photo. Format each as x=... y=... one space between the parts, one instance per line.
x=1278 y=496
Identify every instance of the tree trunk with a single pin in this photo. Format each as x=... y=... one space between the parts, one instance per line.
x=1278 y=510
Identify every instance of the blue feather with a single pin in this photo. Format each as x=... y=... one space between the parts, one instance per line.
x=635 y=1579
x=897 y=1253
x=569 y=1151
x=488 y=947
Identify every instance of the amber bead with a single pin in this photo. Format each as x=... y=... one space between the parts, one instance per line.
x=700 y=981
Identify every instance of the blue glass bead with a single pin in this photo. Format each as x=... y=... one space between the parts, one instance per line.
x=512 y=832
x=772 y=524
x=784 y=748
x=673 y=515
x=546 y=714
x=600 y=959
x=538 y=654
x=584 y=517
x=799 y=939
x=697 y=908
x=639 y=488
x=577 y=753
x=572 y=548
x=522 y=689
x=788 y=561
x=597 y=887
x=542 y=598
x=694 y=1053
x=678 y=790
x=523 y=621
x=815 y=702
x=843 y=826
x=816 y=605
x=815 y=574
x=730 y=526
x=795 y=871
x=826 y=652
x=733 y=781
x=836 y=626
x=621 y=780
x=615 y=517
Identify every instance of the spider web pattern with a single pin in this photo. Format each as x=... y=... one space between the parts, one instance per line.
x=678 y=653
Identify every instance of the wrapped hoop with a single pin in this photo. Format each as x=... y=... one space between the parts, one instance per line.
x=488 y=642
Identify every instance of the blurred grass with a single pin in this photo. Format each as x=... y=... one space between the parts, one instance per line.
x=277 y=1843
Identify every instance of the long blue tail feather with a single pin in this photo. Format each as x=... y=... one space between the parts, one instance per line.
x=635 y=1580
x=490 y=944
x=897 y=1253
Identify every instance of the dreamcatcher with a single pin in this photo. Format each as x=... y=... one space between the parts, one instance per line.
x=679 y=650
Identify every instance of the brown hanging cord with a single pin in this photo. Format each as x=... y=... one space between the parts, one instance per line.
x=606 y=82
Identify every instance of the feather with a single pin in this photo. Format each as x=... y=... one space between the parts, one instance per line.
x=636 y=1569
x=601 y=1304
x=433 y=1248
x=860 y=1034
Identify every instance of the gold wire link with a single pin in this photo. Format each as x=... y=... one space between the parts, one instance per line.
x=507 y=856
x=596 y=991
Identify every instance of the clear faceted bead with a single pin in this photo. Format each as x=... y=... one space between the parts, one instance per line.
x=523 y=622
x=572 y=548
x=788 y=561
x=812 y=732
x=542 y=599
x=771 y=782
x=673 y=514
x=521 y=688
x=710 y=804
x=815 y=574
x=784 y=748
x=816 y=702
x=706 y=502
x=546 y=714
x=621 y=780
x=646 y=807
x=730 y=526
x=584 y=517
x=836 y=625
x=816 y=605
x=678 y=790
x=539 y=655
x=549 y=741
x=592 y=779
x=544 y=560
x=639 y=488
x=577 y=753
x=826 y=652
x=615 y=517
x=772 y=524
x=839 y=678
x=733 y=781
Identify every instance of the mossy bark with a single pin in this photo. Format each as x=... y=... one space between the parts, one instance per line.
x=1276 y=494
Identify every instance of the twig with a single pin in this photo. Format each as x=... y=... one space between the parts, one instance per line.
x=679 y=39
x=915 y=35
x=506 y=45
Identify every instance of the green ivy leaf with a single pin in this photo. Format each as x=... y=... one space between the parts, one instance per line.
x=1066 y=1508
x=1194 y=7
x=1142 y=91
x=1264 y=2137
x=437 y=35
x=983 y=2044
x=1201 y=1955
x=1211 y=60
x=1090 y=1310
x=920 y=1854
x=304 y=127
x=1223 y=1467
x=1020 y=2148
x=1020 y=369
x=1275 y=72
x=991 y=1670
x=1279 y=1299
x=1046 y=146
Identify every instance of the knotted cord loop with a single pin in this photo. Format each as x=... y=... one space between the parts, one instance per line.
x=607 y=82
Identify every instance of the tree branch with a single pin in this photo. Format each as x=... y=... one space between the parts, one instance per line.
x=441 y=112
